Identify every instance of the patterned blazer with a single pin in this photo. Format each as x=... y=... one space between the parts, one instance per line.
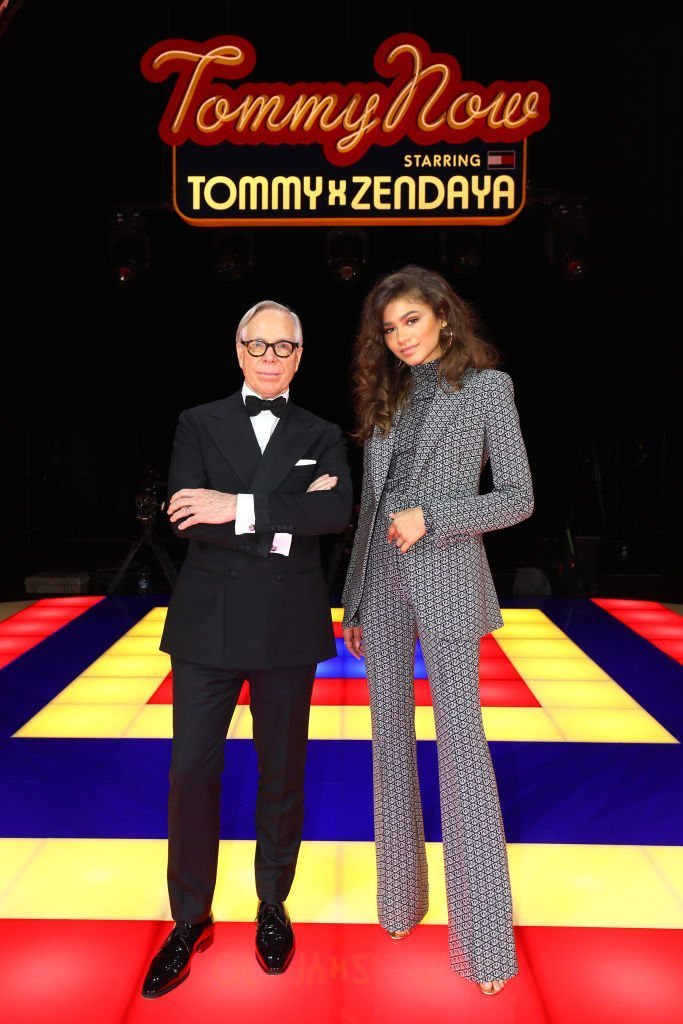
x=447 y=570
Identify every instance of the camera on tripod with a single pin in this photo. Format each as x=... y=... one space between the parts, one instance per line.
x=151 y=498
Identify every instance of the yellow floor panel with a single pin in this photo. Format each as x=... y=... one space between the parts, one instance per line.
x=147 y=627
x=158 y=664
x=514 y=615
x=591 y=693
x=558 y=668
x=153 y=721
x=667 y=860
x=92 y=721
x=580 y=702
x=109 y=690
x=595 y=886
x=553 y=884
x=138 y=645
x=119 y=876
x=15 y=856
x=546 y=630
x=335 y=722
x=539 y=647
x=520 y=724
x=609 y=725
x=154 y=615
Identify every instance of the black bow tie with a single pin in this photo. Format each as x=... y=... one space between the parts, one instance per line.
x=256 y=405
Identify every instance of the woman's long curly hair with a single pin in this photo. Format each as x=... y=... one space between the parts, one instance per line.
x=381 y=383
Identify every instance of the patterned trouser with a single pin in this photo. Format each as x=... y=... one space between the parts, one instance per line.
x=481 y=938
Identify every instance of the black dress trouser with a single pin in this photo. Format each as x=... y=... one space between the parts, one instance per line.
x=204 y=700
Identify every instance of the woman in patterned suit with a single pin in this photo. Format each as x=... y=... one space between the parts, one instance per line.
x=431 y=410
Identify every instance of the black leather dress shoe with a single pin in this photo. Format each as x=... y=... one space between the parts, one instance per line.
x=171 y=965
x=274 y=938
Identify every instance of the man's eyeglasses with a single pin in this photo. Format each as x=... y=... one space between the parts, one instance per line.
x=282 y=349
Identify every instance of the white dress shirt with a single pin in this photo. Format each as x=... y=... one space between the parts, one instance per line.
x=245 y=520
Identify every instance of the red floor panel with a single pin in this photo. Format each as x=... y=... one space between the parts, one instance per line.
x=501 y=685
x=72 y=972
x=28 y=627
x=660 y=625
x=33 y=627
x=16 y=645
x=164 y=692
x=605 y=975
x=674 y=648
x=506 y=693
x=66 y=972
x=496 y=691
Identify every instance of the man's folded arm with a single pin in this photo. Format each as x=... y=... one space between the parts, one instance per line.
x=187 y=470
x=311 y=513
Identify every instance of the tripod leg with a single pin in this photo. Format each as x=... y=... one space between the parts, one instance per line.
x=132 y=551
x=573 y=564
x=164 y=559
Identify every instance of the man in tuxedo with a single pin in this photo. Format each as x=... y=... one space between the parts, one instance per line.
x=254 y=481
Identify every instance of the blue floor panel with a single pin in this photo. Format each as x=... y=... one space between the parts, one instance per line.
x=620 y=793
x=549 y=792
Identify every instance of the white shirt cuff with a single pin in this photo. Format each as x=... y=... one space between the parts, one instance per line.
x=245 y=522
x=245 y=519
x=281 y=544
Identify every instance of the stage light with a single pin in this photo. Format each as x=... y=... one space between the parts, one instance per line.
x=347 y=255
x=129 y=247
x=233 y=254
x=461 y=250
x=568 y=239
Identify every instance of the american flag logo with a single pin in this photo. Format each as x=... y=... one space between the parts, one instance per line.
x=501 y=158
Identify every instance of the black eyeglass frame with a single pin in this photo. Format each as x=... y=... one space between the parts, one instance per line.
x=270 y=344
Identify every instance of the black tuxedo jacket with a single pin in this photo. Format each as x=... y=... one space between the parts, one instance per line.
x=235 y=604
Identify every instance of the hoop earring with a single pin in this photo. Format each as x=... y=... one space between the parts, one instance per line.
x=399 y=362
x=451 y=336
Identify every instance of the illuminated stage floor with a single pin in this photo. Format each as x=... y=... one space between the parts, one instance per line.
x=583 y=707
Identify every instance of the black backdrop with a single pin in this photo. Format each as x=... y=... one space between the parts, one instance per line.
x=93 y=377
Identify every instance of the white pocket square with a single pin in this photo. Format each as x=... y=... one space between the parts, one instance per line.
x=306 y=462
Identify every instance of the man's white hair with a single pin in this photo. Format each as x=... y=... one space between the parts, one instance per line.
x=269 y=304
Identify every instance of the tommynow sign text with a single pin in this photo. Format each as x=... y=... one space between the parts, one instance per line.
x=421 y=146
